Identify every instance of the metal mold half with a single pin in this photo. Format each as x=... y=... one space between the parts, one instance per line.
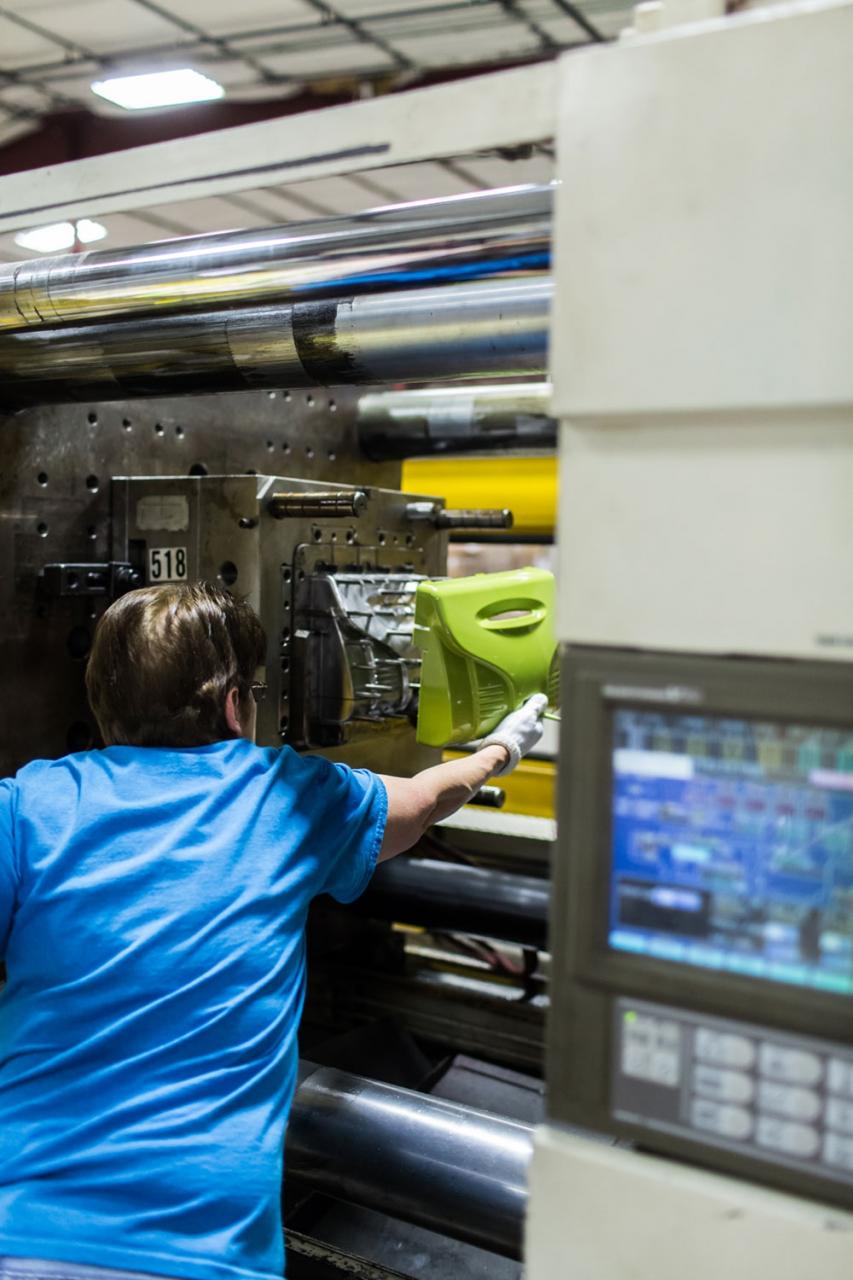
x=357 y=655
x=335 y=594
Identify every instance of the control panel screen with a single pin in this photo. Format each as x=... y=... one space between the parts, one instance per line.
x=732 y=846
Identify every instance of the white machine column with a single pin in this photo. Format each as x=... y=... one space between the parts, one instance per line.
x=701 y=363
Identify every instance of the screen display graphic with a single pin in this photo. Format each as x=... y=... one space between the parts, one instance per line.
x=732 y=846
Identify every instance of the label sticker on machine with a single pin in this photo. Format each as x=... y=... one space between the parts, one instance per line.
x=164 y=512
x=167 y=564
x=768 y=1095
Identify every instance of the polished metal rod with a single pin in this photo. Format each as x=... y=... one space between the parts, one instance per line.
x=404 y=246
x=448 y=895
x=427 y=1161
x=455 y=333
x=405 y=424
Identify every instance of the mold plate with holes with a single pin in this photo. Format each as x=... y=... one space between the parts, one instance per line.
x=333 y=573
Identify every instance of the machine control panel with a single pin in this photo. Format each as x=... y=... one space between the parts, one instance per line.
x=739 y=1086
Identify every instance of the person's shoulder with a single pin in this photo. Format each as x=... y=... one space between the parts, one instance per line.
x=62 y=767
x=39 y=780
x=239 y=755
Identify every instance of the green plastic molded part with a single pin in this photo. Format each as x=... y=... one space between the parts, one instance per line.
x=487 y=644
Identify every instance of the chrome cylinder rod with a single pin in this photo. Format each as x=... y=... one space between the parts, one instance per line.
x=405 y=246
x=430 y=1162
x=448 y=895
x=405 y=424
x=459 y=332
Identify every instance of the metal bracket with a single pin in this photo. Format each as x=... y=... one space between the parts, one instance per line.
x=112 y=579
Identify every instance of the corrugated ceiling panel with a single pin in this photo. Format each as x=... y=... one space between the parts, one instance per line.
x=495 y=172
x=224 y=17
x=363 y=9
x=102 y=25
x=423 y=181
x=212 y=214
x=502 y=40
x=338 y=59
x=11 y=129
x=27 y=96
x=20 y=48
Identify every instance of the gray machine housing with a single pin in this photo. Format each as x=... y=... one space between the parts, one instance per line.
x=677 y=1009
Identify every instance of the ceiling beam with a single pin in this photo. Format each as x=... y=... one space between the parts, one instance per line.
x=77 y=133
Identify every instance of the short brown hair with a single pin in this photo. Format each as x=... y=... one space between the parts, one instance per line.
x=164 y=658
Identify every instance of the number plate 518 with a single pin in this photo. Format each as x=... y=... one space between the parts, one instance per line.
x=167 y=564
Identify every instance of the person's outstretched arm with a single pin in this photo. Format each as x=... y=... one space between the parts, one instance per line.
x=414 y=804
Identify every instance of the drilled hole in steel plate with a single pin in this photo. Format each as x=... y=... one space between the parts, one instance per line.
x=42 y=529
x=80 y=736
x=350 y=536
x=93 y=418
x=92 y=483
x=127 y=424
x=228 y=573
x=381 y=539
x=286 y=574
x=92 y=532
x=285 y=634
x=271 y=395
x=42 y=478
x=159 y=428
x=309 y=400
x=309 y=452
x=285 y=446
x=332 y=455
x=317 y=534
x=285 y=395
x=197 y=469
x=270 y=446
x=179 y=432
x=333 y=408
x=78 y=642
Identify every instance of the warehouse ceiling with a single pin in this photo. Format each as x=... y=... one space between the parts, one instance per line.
x=271 y=57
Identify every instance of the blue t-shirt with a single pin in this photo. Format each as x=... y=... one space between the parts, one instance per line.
x=152 y=909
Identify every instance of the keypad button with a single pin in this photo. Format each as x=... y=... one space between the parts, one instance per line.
x=788 y=1137
x=669 y=1035
x=665 y=1068
x=839 y=1115
x=641 y=1028
x=791 y=1066
x=838 y=1151
x=727 y=1121
x=725 y=1086
x=721 y=1048
x=789 y=1100
x=636 y=1060
x=839 y=1077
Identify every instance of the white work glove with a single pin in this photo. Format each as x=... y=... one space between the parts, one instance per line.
x=519 y=731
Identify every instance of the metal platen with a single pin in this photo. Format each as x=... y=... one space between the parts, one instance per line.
x=332 y=574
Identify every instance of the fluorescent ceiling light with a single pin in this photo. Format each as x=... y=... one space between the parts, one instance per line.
x=158 y=89
x=87 y=230
x=60 y=235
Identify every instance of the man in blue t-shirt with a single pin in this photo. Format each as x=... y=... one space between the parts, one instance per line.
x=153 y=900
